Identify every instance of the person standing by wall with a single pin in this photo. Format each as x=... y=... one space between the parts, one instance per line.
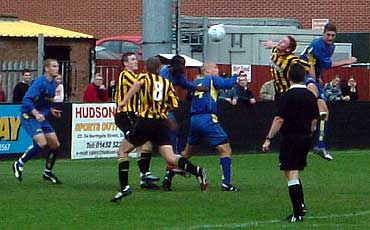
x=350 y=89
x=267 y=91
x=96 y=91
x=59 y=91
x=21 y=88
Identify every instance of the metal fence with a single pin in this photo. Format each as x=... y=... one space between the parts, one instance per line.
x=11 y=72
x=109 y=72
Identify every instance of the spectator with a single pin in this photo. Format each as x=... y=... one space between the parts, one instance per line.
x=228 y=95
x=267 y=92
x=350 y=89
x=59 y=91
x=21 y=88
x=242 y=93
x=2 y=94
x=96 y=91
x=333 y=92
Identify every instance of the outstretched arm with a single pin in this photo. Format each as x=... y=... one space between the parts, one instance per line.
x=269 y=44
x=347 y=61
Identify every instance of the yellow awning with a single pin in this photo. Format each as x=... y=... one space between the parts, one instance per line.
x=20 y=28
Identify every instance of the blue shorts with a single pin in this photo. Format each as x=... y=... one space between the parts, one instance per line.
x=170 y=115
x=321 y=93
x=206 y=125
x=34 y=127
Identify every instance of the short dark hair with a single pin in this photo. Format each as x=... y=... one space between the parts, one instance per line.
x=124 y=57
x=152 y=65
x=296 y=73
x=26 y=71
x=330 y=27
x=292 y=43
x=177 y=65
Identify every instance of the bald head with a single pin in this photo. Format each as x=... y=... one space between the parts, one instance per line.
x=210 y=68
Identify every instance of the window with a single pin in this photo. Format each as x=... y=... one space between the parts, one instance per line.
x=236 y=40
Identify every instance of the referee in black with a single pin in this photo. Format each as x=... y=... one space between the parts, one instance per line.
x=296 y=118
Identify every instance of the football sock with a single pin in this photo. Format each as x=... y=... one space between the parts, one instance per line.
x=123 y=166
x=186 y=165
x=321 y=133
x=169 y=175
x=301 y=191
x=50 y=159
x=295 y=192
x=35 y=148
x=144 y=162
x=225 y=163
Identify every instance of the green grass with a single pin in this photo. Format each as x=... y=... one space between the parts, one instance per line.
x=337 y=194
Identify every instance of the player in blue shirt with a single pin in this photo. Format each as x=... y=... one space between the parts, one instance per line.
x=36 y=104
x=175 y=73
x=204 y=121
x=319 y=54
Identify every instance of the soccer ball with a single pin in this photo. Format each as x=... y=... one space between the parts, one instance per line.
x=217 y=33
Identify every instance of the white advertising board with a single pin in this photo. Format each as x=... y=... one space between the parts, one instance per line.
x=94 y=134
x=246 y=68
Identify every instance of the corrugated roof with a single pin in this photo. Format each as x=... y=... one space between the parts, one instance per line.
x=20 y=28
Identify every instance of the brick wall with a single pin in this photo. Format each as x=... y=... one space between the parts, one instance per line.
x=18 y=49
x=79 y=53
x=116 y=17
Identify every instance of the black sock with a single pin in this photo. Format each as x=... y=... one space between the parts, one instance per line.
x=50 y=159
x=186 y=165
x=123 y=166
x=294 y=193
x=144 y=162
x=301 y=192
x=169 y=175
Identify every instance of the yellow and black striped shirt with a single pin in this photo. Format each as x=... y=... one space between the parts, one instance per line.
x=125 y=81
x=279 y=69
x=157 y=96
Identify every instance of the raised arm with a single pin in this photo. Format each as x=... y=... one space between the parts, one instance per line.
x=347 y=61
x=269 y=44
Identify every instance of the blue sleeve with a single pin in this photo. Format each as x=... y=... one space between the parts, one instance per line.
x=164 y=72
x=32 y=93
x=322 y=57
x=224 y=83
x=181 y=81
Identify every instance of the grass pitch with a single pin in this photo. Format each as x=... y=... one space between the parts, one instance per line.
x=336 y=192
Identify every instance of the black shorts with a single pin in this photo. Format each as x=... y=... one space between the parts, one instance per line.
x=293 y=152
x=154 y=130
x=125 y=121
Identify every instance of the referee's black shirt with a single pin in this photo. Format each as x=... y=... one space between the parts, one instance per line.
x=298 y=107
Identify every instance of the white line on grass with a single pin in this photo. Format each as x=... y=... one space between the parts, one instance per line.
x=260 y=223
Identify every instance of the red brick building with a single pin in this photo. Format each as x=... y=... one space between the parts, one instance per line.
x=116 y=17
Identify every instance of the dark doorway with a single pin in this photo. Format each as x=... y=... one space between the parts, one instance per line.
x=62 y=54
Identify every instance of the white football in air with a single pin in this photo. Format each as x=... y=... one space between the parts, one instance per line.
x=216 y=32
